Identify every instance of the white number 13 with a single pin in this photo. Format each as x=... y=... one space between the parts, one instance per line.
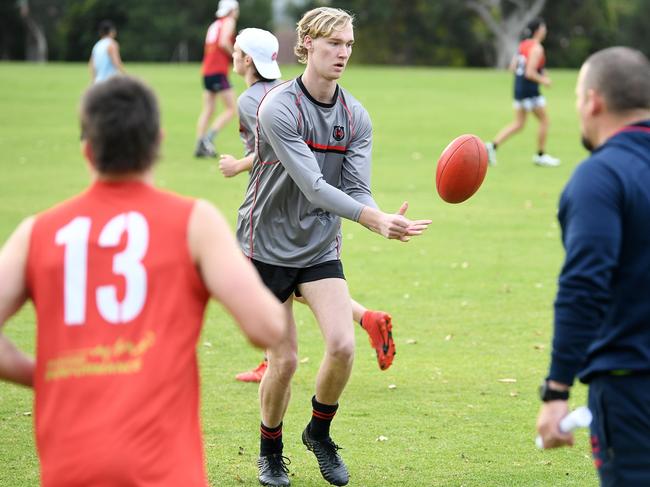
x=128 y=263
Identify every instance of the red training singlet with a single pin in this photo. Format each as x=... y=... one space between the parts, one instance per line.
x=119 y=307
x=215 y=59
x=526 y=46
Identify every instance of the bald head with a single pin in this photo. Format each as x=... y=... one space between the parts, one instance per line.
x=622 y=76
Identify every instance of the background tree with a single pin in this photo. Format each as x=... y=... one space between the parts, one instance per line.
x=35 y=40
x=417 y=32
x=413 y=32
x=506 y=19
x=12 y=32
x=148 y=30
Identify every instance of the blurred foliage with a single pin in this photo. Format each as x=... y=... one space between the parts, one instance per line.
x=12 y=32
x=414 y=32
x=148 y=30
x=447 y=33
x=578 y=28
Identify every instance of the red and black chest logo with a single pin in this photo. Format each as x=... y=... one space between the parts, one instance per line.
x=338 y=133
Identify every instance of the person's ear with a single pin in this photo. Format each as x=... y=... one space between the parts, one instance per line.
x=308 y=42
x=87 y=152
x=595 y=102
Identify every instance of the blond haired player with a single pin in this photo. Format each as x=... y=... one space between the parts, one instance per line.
x=311 y=167
x=254 y=58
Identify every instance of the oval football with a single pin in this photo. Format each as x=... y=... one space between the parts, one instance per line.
x=461 y=168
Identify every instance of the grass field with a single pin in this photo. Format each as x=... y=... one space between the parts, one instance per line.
x=471 y=300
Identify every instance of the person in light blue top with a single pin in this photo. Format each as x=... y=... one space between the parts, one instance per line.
x=105 y=59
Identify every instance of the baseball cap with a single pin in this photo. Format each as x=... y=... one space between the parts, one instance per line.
x=262 y=46
x=225 y=7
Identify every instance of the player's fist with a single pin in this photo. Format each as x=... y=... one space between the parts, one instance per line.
x=228 y=165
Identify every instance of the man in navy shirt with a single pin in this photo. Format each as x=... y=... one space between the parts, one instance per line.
x=602 y=308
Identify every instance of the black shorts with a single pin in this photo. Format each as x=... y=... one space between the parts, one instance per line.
x=216 y=82
x=283 y=281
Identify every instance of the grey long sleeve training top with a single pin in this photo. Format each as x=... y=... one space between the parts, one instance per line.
x=312 y=166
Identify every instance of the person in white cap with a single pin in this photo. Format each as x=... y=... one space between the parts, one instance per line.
x=217 y=53
x=254 y=58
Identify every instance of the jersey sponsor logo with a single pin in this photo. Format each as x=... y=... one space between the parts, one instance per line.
x=121 y=357
x=338 y=133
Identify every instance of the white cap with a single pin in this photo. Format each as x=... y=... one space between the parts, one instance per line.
x=225 y=7
x=262 y=46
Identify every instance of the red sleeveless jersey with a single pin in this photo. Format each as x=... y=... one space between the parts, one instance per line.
x=119 y=307
x=525 y=47
x=215 y=59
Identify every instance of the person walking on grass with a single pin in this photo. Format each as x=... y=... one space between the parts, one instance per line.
x=254 y=59
x=528 y=66
x=105 y=60
x=311 y=167
x=217 y=54
x=119 y=277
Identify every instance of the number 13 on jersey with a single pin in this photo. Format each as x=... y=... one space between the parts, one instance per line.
x=74 y=237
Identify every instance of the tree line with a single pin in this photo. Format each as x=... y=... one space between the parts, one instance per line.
x=403 y=32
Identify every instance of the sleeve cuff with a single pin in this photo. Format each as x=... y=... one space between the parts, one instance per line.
x=562 y=372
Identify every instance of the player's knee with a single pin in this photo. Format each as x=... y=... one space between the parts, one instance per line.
x=229 y=113
x=342 y=349
x=207 y=112
x=285 y=365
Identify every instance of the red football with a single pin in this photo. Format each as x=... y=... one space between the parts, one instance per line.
x=461 y=168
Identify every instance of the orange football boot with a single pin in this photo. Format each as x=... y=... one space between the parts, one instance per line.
x=379 y=327
x=254 y=375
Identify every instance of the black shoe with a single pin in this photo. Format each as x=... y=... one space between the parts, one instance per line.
x=330 y=463
x=205 y=148
x=273 y=470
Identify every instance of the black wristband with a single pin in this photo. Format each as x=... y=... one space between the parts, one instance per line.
x=547 y=394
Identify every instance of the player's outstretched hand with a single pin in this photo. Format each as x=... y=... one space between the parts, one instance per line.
x=393 y=225
x=548 y=424
x=228 y=165
x=416 y=227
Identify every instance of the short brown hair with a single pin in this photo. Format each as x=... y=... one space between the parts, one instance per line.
x=319 y=22
x=622 y=76
x=120 y=120
x=106 y=27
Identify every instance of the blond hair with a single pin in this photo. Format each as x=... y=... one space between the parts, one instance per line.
x=319 y=22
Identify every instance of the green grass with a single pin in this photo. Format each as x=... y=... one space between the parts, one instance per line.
x=474 y=294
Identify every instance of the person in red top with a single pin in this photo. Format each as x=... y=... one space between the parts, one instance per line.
x=529 y=68
x=217 y=55
x=119 y=277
